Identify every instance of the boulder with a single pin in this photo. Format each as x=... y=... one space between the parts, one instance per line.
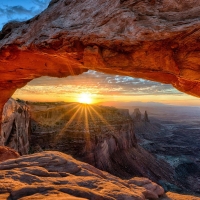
x=53 y=174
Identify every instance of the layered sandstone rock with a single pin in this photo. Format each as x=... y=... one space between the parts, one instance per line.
x=16 y=126
x=56 y=175
x=156 y=40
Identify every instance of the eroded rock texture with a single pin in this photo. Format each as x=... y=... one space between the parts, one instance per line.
x=16 y=126
x=56 y=175
x=155 y=40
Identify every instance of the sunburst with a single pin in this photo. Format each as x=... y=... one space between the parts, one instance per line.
x=85 y=98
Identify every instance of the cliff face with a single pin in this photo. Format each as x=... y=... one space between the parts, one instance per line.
x=155 y=40
x=101 y=136
x=16 y=126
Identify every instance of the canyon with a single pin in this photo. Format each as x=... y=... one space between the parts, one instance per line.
x=175 y=139
x=101 y=136
x=112 y=140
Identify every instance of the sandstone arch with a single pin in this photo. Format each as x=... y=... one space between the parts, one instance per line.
x=153 y=39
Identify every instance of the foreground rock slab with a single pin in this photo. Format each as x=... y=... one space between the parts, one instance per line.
x=53 y=174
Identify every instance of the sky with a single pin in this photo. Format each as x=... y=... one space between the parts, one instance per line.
x=20 y=10
x=101 y=87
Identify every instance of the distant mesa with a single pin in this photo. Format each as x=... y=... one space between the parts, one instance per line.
x=137 y=116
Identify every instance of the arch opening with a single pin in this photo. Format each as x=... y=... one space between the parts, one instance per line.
x=60 y=122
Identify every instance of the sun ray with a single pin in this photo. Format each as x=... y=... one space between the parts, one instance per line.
x=92 y=117
x=103 y=120
x=70 y=110
x=57 y=109
x=78 y=121
x=69 y=122
x=87 y=128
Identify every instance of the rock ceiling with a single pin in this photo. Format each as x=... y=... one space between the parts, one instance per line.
x=157 y=40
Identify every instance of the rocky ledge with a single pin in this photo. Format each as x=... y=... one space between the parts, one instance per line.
x=53 y=174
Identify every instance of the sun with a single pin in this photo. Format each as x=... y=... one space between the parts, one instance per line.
x=85 y=98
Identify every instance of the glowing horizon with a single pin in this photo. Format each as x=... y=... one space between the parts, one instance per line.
x=99 y=87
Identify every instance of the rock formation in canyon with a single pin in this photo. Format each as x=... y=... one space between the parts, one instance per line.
x=155 y=40
x=146 y=117
x=16 y=126
x=136 y=115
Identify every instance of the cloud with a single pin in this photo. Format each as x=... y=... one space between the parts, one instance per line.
x=13 y=10
x=21 y=11
x=42 y=4
x=100 y=83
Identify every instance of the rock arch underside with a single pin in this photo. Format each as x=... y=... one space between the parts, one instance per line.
x=157 y=40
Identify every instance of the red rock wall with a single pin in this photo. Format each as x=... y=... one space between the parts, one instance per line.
x=155 y=40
